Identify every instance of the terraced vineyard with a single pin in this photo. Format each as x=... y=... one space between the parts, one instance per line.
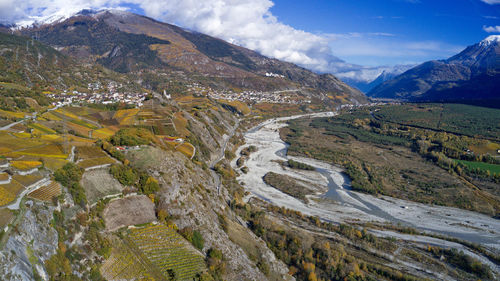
x=28 y=180
x=47 y=192
x=25 y=165
x=8 y=192
x=167 y=250
x=94 y=162
x=123 y=265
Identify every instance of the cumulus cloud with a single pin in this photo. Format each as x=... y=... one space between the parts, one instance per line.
x=247 y=23
x=491 y=2
x=491 y=29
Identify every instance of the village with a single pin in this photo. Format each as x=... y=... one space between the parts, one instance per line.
x=284 y=96
x=98 y=95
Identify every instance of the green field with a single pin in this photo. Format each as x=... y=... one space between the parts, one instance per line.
x=493 y=168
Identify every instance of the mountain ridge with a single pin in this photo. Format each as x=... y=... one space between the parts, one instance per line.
x=191 y=52
x=470 y=75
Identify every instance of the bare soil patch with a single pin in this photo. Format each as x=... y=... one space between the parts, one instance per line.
x=128 y=211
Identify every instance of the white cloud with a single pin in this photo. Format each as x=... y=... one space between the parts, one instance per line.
x=491 y=29
x=250 y=24
x=491 y=2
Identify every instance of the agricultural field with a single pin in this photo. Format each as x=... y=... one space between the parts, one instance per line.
x=492 y=168
x=88 y=152
x=237 y=106
x=186 y=149
x=53 y=163
x=190 y=102
x=94 y=162
x=28 y=179
x=5 y=217
x=4 y=176
x=180 y=124
x=103 y=133
x=49 y=116
x=92 y=156
x=123 y=264
x=486 y=147
x=98 y=184
x=50 y=151
x=167 y=251
x=41 y=128
x=8 y=141
x=8 y=192
x=11 y=114
x=47 y=192
x=126 y=116
x=25 y=165
x=132 y=210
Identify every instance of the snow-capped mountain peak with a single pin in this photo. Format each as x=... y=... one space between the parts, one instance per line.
x=492 y=39
x=62 y=16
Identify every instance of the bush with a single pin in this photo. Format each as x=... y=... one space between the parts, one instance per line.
x=70 y=175
x=125 y=175
x=198 y=240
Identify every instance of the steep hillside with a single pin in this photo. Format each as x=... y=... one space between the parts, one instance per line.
x=29 y=67
x=471 y=75
x=127 y=42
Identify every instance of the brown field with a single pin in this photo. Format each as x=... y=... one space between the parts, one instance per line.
x=13 y=143
x=4 y=176
x=186 y=149
x=79 y=129
x=11 y=114
x=8 y=192
x=28 y=179
x=5 y=217
x=47 y=192
x=99 y=183
x=103 y=133
x=88 y=152
x=53 y=163
x=486 y=147
x=131 y=210
x=25 y=165
x=94 y=162
x=240 y=107
x=126 y=116
x=51 y=151
x=180 y=124
x=49 y=116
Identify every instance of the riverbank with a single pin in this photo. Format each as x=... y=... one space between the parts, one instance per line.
x=341 y=205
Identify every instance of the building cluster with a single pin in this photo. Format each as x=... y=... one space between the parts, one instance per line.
x=270 y=74
x=109 y=96
x=288 y=97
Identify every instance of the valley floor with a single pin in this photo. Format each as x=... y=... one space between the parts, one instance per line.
x=339 y=204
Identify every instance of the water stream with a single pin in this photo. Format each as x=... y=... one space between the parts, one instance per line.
x=341 y=204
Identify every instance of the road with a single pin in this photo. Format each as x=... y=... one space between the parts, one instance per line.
x=33 y=116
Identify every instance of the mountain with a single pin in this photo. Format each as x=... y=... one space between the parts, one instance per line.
x=29 y=67
x=472 y=75
x=367 y=78
x=131 y=43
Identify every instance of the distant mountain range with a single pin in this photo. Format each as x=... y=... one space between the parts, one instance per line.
x=131 y=43
x=367 y=78
x=472 y=76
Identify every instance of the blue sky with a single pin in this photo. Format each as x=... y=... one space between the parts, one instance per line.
x=450 y=25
